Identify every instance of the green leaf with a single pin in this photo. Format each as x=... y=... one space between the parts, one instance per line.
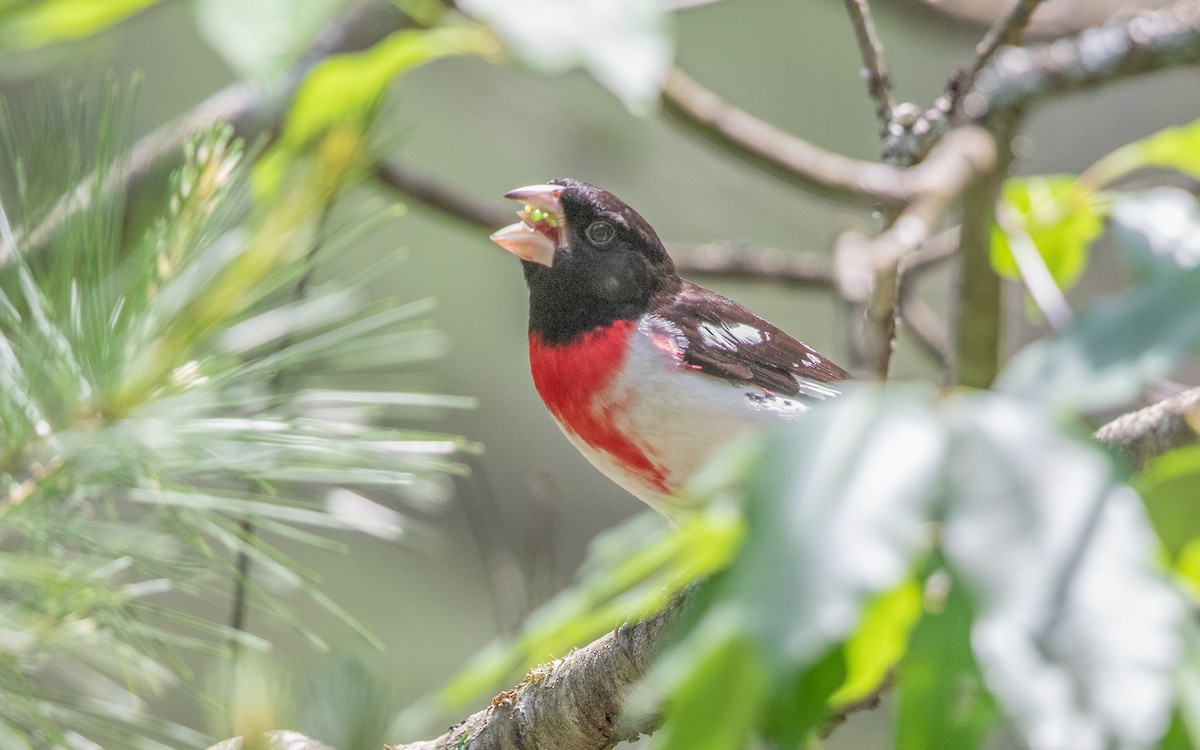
x=1109 y=352
x=880 y=640
x=344 y=91
x=626 y=45
x=348 y=87
x=1175 y=148
x=832 y=519
x=1059 y=214
x=1077 y=631
x=1187 y=688
x=719 y=706
x=49 y=21
x=261 y=39
x=1170 y=487
x=941 y=698
x=1158 y=231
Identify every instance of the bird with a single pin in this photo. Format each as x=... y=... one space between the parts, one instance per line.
x=646 y=373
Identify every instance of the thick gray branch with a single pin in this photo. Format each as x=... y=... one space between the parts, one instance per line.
x=1150 y=432
x=573 y=702
x=1018 y=76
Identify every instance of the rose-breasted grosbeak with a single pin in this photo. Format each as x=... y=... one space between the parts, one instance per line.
x=646 y=373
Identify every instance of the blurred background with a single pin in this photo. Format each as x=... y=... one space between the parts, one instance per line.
x=518 y=526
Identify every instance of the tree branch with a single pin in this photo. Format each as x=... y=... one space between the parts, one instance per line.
x=1007 y=31
x=874 y=70
x=573 y=702
x=781 y=154
x=1146 y=42
x=869 y=270
x=1150 y=432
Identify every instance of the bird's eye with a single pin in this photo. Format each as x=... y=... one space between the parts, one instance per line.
x=600 y=233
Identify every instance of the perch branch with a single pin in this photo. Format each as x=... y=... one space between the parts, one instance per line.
x=1141 y=435
x=574 y=702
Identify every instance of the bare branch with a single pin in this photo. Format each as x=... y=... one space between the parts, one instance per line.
x=745 y=261
x=1017 y=76
x=920 y=321
x=784 y=155
x=869 y=270
x=434 y=193
x=1149 y=432
x=874 y=70
x=1007 y=30
x=574 y=702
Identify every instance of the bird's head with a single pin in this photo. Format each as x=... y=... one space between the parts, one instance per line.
x=574 y=237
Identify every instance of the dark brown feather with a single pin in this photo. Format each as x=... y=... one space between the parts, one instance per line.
x=728 y=341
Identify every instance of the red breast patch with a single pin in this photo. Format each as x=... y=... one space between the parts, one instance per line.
x=573 y=380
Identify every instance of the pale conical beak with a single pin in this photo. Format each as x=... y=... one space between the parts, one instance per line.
x=542 y=228
x=524 y=242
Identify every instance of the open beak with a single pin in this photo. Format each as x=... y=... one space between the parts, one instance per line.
x=542 y=228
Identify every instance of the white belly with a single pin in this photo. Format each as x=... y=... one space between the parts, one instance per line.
x=682 y=427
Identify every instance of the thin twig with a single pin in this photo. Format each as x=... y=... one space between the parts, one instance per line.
x=927 y=330
x=432 y=192
x=745 y=261
x=1007 y=30
x=782 y=154
x=874 y=70
x=869 y=270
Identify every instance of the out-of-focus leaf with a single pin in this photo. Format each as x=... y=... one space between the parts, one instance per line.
x=1159 y=230
x=1077 y=634
x=1170 y=486
x=1187 y=691
x=49 y=21
x=1107 y=354
x=942 y=702
x=834 y=516
x=626 y=45
x=632 y=572
x=880 y=641
x=343 y=92
x=1174 y=148
x=1060 y=216
x=261 y=39
x=724 y=697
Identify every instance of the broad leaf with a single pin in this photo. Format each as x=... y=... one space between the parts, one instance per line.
x=49 y=21
x=261 y=39
x=1174 y=148
x=1060 y=216
x=1077 y=634
x=942 y=702
x=1158 y=230
x=1111 y=351
x=625 y=44
x=1170 y=487
x=834 y=517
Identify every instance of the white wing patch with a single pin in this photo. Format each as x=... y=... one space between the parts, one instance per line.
x=730 y=337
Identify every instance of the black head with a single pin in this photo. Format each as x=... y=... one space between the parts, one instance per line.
x=589 y=259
